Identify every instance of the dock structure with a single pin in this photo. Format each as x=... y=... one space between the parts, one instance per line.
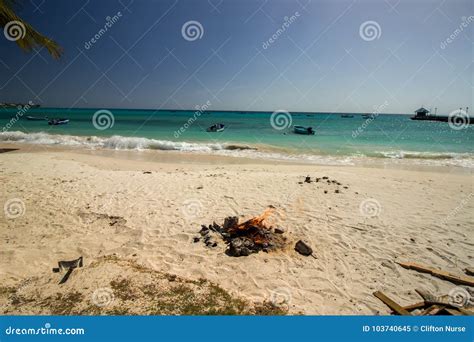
x=423 y=114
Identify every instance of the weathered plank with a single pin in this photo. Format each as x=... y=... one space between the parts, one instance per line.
x=432 y=310
x=391 y=304
x=415 y=306
x=432 y=299
x=453 y=312
x=456 y=279
x=466 y=312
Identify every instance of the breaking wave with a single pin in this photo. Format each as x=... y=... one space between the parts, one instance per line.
x=236 y=150
x=430 y=158
x=116 y=142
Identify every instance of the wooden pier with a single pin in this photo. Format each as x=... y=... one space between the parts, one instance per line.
x=422 y=114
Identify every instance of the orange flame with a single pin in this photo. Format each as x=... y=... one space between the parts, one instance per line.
x=253 y=228
x=256 y=221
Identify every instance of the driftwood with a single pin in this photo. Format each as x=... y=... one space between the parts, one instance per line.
x=69 y=266
x=431 y=305
x=432 y=299
x=453 y=312
x=415 y=306
x=456 y=279
x=432 y=310
x=391 y=304
x=466 y=312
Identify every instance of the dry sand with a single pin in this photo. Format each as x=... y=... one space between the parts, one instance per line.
x=97 y=203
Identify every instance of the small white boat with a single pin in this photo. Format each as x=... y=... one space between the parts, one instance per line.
x=216 y=128
x=303 y=130
x=55 y=122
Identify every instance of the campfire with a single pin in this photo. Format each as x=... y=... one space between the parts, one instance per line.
x=243 y=239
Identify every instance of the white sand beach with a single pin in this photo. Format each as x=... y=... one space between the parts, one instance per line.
x=149 y=208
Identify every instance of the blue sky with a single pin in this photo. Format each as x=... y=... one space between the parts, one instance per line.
x=319 y=63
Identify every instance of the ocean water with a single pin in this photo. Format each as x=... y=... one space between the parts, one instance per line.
x=337 y=140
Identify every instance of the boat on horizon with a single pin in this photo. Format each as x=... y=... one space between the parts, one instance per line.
x=347 y=116
x=218 y=127
x=36 y=118
x=303 y=130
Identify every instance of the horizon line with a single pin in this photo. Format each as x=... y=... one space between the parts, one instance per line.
x=213 y=110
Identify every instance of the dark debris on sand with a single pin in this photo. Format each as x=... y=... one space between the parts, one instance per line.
x=325 y=182
x=243 y=239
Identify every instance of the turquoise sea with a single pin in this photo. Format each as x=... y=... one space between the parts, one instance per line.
x=251 y=134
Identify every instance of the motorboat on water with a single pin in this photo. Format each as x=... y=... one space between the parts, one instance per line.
x=347 y=116
x=55 y=122
x=219 y=127
x=303 y=130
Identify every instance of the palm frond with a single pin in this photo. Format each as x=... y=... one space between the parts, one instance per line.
x=31 y=38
